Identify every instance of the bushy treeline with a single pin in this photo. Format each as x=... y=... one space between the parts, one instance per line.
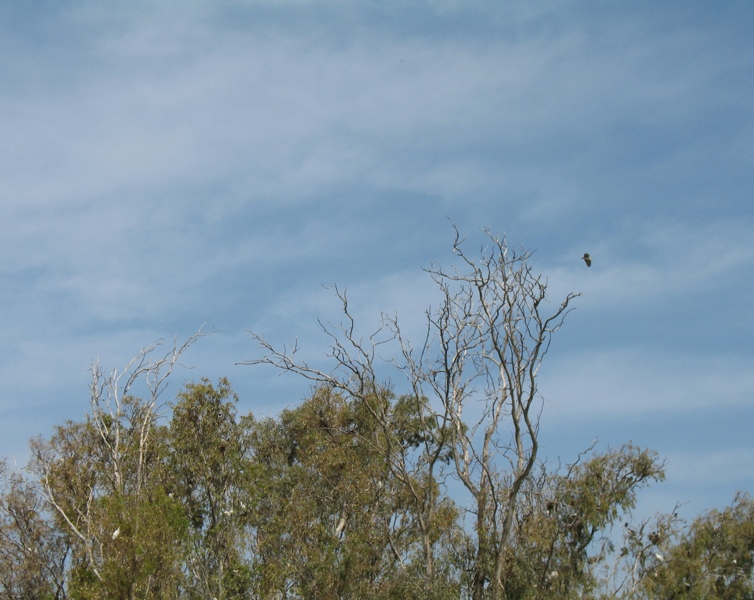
x=208 y=504
x=435 y=491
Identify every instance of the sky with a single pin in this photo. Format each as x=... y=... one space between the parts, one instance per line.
x=169 y=166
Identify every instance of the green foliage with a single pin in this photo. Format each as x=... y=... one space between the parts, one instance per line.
x=309 y=504
x=338 y=520
x=32 y=553
x=143 y=559
x=206 y=472
x=713 y=559
x=563 y=525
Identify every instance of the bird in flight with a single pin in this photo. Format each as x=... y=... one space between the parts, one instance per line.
x=587 y=259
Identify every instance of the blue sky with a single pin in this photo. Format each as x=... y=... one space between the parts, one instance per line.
x=161 y=168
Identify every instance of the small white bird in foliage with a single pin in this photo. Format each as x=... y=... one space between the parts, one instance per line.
x=116 y=533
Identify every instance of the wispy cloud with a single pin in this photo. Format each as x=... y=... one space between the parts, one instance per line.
x=162 y=168
x=727 y=466
x=641 y=381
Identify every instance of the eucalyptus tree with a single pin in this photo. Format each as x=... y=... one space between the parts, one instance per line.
x=207 y=472
x=563 y=542
x=473 y=383
x=412 y=460
x=331 y=519
x=712 y=558
x=33 y=554
x=101 y=480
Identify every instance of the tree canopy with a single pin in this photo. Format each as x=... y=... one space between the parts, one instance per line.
x=428 y=484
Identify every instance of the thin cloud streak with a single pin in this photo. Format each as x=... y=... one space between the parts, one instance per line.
x=164 y=168
x=278 y=103
x=590 y=386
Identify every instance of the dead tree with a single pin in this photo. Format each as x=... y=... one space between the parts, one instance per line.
x=475 y=375
x=107 y=454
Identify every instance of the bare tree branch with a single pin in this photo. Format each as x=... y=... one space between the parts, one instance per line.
x=475 y=371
